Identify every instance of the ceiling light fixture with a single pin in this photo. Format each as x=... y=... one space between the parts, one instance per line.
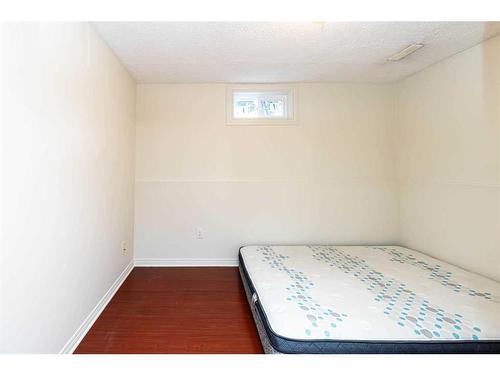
x=405 y=52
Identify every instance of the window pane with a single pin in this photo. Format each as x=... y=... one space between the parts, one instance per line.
x=245 y=108
x=272 y=107
x=260 y=105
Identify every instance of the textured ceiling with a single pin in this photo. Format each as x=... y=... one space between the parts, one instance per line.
x=160 y=52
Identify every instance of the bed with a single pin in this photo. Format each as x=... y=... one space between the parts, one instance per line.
x=367 y=299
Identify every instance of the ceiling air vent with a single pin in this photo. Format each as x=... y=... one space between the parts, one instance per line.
x=405 y=52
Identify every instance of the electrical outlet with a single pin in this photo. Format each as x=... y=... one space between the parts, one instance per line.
x=199 y=233
x=124 y=247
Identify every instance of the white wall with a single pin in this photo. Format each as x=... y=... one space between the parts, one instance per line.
x=67 y=148
x=448 y=138
x=330 y=179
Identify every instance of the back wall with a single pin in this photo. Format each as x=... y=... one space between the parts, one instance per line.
x=329 y=179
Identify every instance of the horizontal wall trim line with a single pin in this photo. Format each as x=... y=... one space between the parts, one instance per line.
x=186 y=262
x=80 y=333
x=173 y=181
x=449 y=183
x=219 y=181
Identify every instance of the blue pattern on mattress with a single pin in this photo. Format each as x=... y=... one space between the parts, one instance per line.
x=445 y=278
x=402 y=305
x=317 y=318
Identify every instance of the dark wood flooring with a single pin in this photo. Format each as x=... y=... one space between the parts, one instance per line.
x=176 y=310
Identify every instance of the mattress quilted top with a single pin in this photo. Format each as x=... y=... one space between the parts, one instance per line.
x=370 y=293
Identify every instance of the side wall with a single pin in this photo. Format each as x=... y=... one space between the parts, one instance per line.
x=448 y=142
x=67 y=167
x=329 y=179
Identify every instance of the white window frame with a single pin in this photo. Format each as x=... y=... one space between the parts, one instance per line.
x=289 y=89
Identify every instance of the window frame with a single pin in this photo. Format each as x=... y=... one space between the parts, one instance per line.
x=290 y=90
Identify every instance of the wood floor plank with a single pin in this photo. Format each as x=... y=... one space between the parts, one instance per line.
x=176 y=310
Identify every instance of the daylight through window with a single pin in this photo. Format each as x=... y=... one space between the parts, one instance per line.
x=261 y=105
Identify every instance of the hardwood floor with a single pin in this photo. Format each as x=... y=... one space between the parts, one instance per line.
x=176 y=310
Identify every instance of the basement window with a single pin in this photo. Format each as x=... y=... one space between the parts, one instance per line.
x=261 y=105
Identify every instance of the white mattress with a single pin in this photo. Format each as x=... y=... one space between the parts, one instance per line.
x=370 y=293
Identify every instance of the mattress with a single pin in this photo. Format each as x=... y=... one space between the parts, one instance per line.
x=368 y=299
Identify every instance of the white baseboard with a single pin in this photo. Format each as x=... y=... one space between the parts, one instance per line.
x=94 y=314
x=186 y=262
